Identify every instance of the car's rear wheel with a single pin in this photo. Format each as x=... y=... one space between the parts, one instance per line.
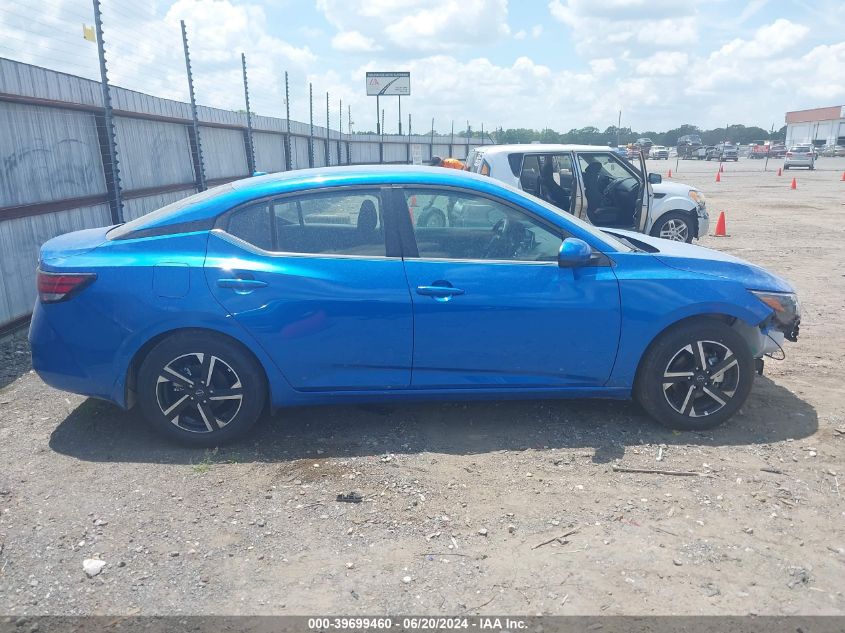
x=696 y=375
x=675 y=226
x=200 y=390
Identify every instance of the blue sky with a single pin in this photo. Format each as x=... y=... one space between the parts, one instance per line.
x=535 y=63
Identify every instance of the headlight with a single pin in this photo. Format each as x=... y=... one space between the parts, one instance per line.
x=696 y=196
x=785 y=304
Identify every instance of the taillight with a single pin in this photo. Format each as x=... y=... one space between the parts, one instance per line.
x=789 y=154
x=485 y=169
x=55 y=287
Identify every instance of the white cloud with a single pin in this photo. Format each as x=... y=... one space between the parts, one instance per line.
x=603 y=66
x=663 y=63
x=626 y=26
x=354 y=42
x=520 y=35
x=419 y=25
x=536 y=31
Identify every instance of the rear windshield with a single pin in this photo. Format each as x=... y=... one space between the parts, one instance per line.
x=800 y=150
x=125 y=229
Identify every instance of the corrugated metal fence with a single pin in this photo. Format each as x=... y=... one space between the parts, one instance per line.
x=54 y=158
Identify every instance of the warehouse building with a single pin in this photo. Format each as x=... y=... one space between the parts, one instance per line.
x=819 y=126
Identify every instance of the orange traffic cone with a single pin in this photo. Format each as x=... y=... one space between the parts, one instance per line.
x=843 y=176
x=721 y=166
x=721 y=229
x=718 y=177
x=794 y=184
x=669 y=175
x=413 y=201
x=780 y=172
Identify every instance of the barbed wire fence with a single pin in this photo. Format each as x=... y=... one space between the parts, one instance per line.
x=110 y=109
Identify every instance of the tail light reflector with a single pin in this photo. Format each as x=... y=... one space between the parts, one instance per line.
x=789 y=154
x=55 y=287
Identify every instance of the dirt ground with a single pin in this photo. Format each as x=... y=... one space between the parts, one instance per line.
x=459 y=498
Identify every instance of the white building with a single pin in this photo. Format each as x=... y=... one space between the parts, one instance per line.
x=819 y=126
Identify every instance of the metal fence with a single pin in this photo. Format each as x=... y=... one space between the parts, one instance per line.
x=58 y=160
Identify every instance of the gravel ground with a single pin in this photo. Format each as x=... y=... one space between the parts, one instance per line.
x=465 y=505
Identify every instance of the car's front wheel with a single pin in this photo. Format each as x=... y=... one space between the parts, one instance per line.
x=200 y=389
x=696 y=375
x=675 y=225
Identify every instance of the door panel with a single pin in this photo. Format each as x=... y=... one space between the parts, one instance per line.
x=492 y=307
x=336 y=316
x=513 y=324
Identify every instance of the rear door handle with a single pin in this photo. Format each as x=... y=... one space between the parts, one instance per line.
x=243 y=285
x=439 y=291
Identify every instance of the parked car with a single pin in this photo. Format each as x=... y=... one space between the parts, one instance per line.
x=644 y=144
x=215 y=308
x=689 y=146
x=659 y=152
x=722 y=152
x=777 y=150
x=758 y=149
x=800 y=156
x=620 y=151
x=833 y=150
x=601 y=189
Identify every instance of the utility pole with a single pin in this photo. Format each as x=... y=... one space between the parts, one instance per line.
x=311 y=123
x=108 y=144
x=250 y=148
x=196 y=145
x=328 y=160
x=288 y=159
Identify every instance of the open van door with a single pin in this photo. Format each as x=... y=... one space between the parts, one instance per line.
x=641 y=220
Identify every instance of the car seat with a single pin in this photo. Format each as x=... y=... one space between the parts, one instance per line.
x=599 y=212
x=554 y=193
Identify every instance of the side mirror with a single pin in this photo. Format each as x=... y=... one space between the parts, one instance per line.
x=655 y=179
x=573 y=253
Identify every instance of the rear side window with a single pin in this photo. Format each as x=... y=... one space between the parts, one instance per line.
x=343 y=223
x=515 y=161
x=252 y=224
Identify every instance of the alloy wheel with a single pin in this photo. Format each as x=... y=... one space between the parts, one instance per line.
x=674 y=229
x=199 y=392
x=701 y=378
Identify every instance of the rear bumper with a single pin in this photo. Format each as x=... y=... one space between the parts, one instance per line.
x=56 y=363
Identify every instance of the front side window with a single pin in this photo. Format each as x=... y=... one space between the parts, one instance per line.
x=465 y=226
x=342 y=223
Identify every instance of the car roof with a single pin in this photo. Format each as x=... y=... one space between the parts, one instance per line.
x=540 y=148
x=217 y=200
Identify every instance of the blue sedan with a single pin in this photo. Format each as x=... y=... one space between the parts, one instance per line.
x=320 y=287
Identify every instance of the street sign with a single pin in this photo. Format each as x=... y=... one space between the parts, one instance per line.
x=383 y=84
x=416 y=154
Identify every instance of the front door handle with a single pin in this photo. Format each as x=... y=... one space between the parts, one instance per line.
x=441 y=293
x=241 y=285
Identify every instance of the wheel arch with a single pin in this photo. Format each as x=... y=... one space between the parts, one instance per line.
x=691 y=212
x=721 y=317
x=131 y=377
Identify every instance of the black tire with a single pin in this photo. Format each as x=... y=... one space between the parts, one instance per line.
x=676 y=353
x=217 y=392
x=432 y=218
x=669 y=223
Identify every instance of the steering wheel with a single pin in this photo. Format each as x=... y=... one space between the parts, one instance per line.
x=499 y=240
x=621 y=190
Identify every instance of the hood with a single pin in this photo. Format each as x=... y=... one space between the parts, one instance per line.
x=59 y=248
x=706 y=261
x=673 y=189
